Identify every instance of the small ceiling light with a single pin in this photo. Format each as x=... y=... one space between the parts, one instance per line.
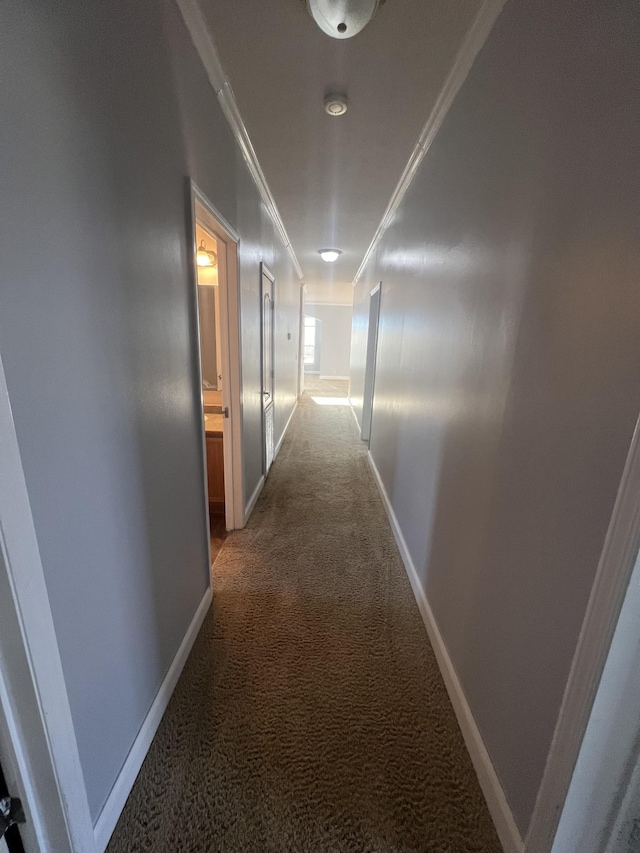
x=342 y=19
x=335 y=105
x=205 y=258
x=329 y=255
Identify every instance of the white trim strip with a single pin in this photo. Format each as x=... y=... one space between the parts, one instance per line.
x=355 y=417
x=203 y=43
x=35 y=715
x=329 y=305
x=253 y=499
x=607 y=595
x=112 y=810
x=489 y=783
x=284 y=431
x=473 y=42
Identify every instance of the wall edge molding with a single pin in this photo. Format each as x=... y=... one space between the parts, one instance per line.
x=205 y=47
x=253 y=499
x=284 y=431
x=470 y=48
x=492 y=790
x=311 y=304
x=614 y=571
x=355 y=417
x=117 y=798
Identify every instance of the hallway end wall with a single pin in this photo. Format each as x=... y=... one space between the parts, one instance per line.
x=508 y=376
x=336 y=337
x=97 y=333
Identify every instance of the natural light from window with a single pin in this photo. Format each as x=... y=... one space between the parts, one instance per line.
x=331 y=401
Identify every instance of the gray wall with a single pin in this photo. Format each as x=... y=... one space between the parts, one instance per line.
x=335 y=349
x=106 y=108
x=508 y=372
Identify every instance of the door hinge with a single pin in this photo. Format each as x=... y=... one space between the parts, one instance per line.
x=225 y=411
x=11 y=813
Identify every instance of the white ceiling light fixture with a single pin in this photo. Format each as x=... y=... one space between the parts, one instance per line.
x=335 y=105
x=329 y=255
x=342 y=19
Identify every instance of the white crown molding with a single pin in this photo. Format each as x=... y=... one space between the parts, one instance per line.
x=473 y=42
x=203 y=43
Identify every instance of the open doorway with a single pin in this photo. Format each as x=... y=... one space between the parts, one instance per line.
x=312 y=344
x=12 y=816
x=216 y=283
x=370 y=364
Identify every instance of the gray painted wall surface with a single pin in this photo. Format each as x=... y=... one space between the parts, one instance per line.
x=106 y=108
x=335 y=350
x=508 y=371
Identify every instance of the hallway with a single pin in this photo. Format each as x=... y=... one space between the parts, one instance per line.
x=311 y=715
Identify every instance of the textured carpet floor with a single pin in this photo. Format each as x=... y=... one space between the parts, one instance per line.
x=311 y=715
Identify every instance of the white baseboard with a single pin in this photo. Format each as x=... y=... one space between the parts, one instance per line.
x=344 y=378
x=502 y=815
x=256 y=492
x=252 y=500
x=355 y=417
x=112 y=810
x=284 y=431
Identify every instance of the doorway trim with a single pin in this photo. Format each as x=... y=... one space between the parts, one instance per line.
x=265 y=272
x=614 y=571
x=37 y=737
x=370 y=363
x=230 y=344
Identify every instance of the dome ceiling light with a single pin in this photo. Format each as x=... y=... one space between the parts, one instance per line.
x=342 y=19
x=329 y=255
x=335 y=105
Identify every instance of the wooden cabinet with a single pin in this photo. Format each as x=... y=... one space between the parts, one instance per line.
x=215 y=473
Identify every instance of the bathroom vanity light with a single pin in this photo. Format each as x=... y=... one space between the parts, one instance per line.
x=204 y=258
x=329 y=255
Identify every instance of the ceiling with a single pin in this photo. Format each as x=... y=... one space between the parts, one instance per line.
x=332 y=177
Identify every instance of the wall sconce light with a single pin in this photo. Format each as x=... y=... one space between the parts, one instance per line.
x=205 y=258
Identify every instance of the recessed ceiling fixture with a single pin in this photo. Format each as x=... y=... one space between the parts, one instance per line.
x=335 y=105
x=205 y=258
x=329 y=255
x=342 y=19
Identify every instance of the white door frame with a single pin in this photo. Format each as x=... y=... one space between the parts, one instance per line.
x=37 y=739
x=607 y=595
x=205 y=214
x=301 y=341
x=370 y=364
x=265 y=272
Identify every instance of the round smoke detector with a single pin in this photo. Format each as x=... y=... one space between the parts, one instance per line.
x=335 y=105
x=342 y=19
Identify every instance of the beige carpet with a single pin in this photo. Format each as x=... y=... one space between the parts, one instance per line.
x=311 y=715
